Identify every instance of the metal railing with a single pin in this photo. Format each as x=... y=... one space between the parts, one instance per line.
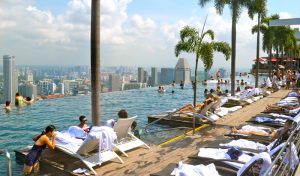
x=282 y=168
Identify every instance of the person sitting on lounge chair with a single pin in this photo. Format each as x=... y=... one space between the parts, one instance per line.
x=274 y=134
x=190 y=108
x=83 y=124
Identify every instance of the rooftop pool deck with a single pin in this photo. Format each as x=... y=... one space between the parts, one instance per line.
x=20 y=125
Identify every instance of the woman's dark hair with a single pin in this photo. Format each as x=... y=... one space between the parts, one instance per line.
x=7 y=103
x=123 y=114
x=49 y=128
x=17 y=94
x=28 y=99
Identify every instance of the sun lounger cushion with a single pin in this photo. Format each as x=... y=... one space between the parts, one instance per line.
x=268 y=120
x=195 y=170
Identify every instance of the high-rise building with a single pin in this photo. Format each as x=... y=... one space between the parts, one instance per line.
x=44 y=87
x=10 y=77
x=146 y=77
x=154 y=77
x=140 y=75
x=166 y=76
x=114 y=83
x=182 y=71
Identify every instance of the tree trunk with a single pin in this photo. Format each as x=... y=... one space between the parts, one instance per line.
x=95 y=62
x=195 y=94
x=233 y=46
x=257 y=51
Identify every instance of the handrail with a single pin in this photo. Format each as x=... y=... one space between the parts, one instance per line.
x=8 y=159
x=267 y=173
x=172 y=113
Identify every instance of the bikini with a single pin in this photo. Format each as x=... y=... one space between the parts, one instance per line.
x=34 y=154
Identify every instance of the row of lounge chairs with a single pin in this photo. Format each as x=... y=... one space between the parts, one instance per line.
x=242 y=154
x=100 y=144
x=217 y=109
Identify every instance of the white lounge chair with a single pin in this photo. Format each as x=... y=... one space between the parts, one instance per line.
x=205 y=113
x=125 y=139
x=88 y=152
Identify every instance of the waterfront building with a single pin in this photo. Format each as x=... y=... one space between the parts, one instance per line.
x=154 y=76
x=28 y=90
x=43 y=87
x=10 y=76
x=140 y=75
x=71 y=87
x=114 y=83
x=182 y=71
x=166 y=76
x=61 y=88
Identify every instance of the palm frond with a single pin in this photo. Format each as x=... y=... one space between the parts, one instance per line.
x=223 y=48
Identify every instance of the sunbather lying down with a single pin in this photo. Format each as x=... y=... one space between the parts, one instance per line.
x=252 y=130
x=280 y=108
x=190 y=108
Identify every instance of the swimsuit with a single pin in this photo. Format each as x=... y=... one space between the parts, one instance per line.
x=34 y=154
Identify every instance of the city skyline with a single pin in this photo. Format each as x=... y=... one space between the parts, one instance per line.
x=133 y=33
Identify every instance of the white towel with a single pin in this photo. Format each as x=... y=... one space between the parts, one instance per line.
x=195 y=170
x=243 y=143
x=294 y=157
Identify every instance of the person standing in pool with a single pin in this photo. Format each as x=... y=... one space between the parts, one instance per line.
x=18 y=100
x=7 y=106
x=41 y=141
x=181 y=84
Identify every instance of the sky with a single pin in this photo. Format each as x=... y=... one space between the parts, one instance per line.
x=133 y=32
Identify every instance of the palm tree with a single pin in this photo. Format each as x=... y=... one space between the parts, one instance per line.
x=268 y=36
x=192 y=42
x=259 y=7
x=95 y=62
x=236 y=8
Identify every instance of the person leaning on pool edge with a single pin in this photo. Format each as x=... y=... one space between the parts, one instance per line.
x=41 y=141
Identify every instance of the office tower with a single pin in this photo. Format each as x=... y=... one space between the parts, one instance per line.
x=140 y=74
x=10 y=77
x=154 y=76
x=114 y=83
x=182 y=71
x=166 y=76
x=146 y=77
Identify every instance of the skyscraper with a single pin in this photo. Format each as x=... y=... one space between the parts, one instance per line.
x=154 y=76
x=182 y=71
x=140 y=74
x=114 y=83
x=166 y=76
x=10 y=77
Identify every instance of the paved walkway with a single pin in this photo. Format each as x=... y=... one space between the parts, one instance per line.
x=144 y=161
